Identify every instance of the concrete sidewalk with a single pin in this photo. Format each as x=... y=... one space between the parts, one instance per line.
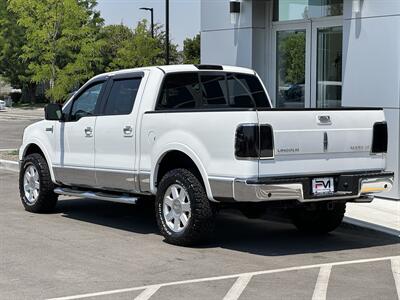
x=382 y=215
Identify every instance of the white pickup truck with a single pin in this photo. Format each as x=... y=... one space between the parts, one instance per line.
x=201 y=138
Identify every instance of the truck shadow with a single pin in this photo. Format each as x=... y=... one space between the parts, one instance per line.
x=233 y=231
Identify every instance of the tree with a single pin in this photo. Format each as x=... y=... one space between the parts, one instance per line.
x=112 y=38
x=13 y=68
x=293 y=64
x=142 y=50
x=61 y=44
x=191 y=50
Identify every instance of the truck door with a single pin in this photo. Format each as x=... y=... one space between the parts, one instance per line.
x=116 y=133
x=74 y=162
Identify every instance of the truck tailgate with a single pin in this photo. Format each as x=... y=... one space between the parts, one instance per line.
x=321 y=141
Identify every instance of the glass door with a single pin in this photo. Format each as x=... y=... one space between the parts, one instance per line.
x=308 y=63
x=307 y=43
x=326 y=66
x=291 y=44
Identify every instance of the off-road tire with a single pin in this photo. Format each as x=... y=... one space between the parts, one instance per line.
x=47 y=199
x=201 y=222
x=321 y=219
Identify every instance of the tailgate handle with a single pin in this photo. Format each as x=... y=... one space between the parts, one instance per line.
x=325 y=141
x=324 y=120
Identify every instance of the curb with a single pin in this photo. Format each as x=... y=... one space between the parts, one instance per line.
x=9 y=165
x=372 y=226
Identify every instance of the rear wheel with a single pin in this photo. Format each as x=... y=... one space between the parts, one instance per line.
x=319 y=218
x=184 y=213
x=35 y=185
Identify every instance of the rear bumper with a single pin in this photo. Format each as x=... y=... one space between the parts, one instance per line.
x=356 y=186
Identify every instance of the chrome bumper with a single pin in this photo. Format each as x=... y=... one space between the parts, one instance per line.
x=364 y=186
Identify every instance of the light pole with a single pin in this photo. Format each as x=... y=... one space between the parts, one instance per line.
x=151 y=10
x=167 y=32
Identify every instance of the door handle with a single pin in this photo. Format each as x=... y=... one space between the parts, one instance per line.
x=88 y=131
x=128 y=131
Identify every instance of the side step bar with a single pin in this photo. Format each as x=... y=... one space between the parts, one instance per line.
x=96 y=195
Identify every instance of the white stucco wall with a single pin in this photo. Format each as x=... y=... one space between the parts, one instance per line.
x=371 y=71
x=241 y=44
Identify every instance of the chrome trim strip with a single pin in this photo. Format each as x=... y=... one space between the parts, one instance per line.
x=221 y=187
x=117 y=180
x=74 y=176
x=96 y=195
x=144 y=181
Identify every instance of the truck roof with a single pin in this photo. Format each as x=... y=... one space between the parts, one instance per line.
x=182 y=68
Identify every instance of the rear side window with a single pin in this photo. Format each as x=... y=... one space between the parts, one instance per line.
x=202 y=90
x=253 y=88
x=214 y=90
x=180 y=91
x=122 y=96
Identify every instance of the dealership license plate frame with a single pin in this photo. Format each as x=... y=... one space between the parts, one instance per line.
x=323 y=186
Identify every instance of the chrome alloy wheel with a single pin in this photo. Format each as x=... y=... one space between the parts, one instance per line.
x=31 y=184
x=176 y=208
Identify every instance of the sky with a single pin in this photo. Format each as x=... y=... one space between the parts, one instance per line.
x=184 y=15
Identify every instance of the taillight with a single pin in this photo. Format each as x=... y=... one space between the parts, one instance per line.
x=266 y=141
x=254 y=141
x=247 y=141
x=380 y=138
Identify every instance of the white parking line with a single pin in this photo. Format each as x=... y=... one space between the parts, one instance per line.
x=238 y=287
x=147 y=293
x=321 y=287
x=119 y=291
x=395 y=262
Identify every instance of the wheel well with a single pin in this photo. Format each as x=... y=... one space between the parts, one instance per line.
x=33 y=148
x=175 y=160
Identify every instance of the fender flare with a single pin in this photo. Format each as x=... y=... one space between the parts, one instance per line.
x=187 y=151
x=37 y=143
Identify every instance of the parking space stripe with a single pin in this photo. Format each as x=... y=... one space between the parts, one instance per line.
x=321 y=287
x=147 y=293
x=395 y=262
x=238 y=287
x=358 y=261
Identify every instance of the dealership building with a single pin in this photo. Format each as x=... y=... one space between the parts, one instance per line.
x=314 y=53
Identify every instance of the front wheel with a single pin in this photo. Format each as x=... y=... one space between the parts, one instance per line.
x=184 y=213
x=35 y=185
x=321 y=218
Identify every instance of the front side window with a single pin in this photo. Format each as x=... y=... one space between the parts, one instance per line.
x=85 y=104
x=122 y=96
x=180 y=91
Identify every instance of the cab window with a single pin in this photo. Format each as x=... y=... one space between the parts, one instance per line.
x=85 y=104
x=179 y=91
x=122 y=96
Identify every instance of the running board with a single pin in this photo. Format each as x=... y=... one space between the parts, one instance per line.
x=96 y=195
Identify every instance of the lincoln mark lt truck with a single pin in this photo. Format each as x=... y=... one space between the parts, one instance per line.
x=199 y=139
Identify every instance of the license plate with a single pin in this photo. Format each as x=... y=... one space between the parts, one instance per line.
x=322 y=186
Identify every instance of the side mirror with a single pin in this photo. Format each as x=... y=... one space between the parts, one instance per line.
x=53 y=112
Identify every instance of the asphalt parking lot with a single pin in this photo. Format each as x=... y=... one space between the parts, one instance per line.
x=12 y=124
x=102 y=250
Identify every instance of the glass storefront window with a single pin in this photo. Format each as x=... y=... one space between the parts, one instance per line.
x=287 y=10
x=291 y=62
